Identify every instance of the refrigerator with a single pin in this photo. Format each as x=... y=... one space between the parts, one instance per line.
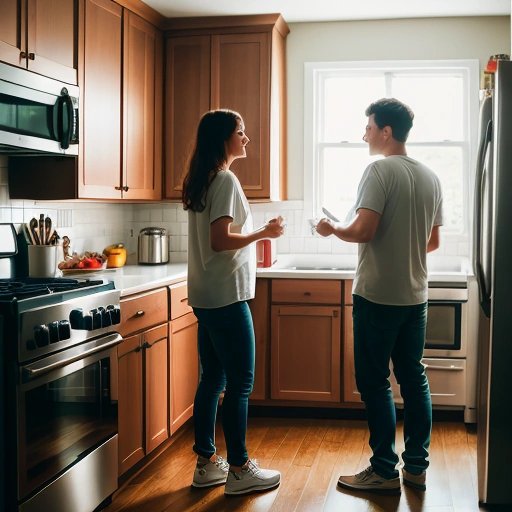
x=492 y=258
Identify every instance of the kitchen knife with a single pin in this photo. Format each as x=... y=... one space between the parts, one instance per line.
x=328 y=214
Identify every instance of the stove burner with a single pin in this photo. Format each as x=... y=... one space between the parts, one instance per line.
x=33 y=286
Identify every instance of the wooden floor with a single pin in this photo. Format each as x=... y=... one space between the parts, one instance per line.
x=311 y=454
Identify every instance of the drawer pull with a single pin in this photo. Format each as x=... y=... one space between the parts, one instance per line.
x=184 y=300
x=307 y=294
x=451 y=368
x=146 y=345
x=139 y=313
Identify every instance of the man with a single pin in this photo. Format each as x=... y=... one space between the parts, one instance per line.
x=396 y=222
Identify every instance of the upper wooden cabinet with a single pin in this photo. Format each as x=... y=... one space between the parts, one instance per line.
x=121 y=80
x=236 y=63
x=42 y=36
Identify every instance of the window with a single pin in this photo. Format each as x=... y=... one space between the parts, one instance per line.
x=444 y=98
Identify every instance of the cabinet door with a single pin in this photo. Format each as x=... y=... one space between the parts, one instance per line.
x=142 y=106
x=350 y=392
x=260 y=309
x=187 y=99
x=241 y=81
x=183 y=369
x=130 y=401
x=155 y=381
x=100 y=165
x=52 y=38
x=305 y=353
x=12 y=31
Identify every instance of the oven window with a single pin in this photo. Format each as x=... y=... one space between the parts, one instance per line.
x=443 y=325
x=64 y=419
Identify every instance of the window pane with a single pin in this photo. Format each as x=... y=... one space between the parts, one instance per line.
x=446 y=162
x=342 y=171
x=437 y=105
x=345 y=101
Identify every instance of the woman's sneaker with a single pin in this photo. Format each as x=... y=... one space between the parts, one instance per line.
x=370 y=481
x=208 y=473
x=251 y=479
x=415 y=481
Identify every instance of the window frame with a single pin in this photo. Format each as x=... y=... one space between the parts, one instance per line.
x=316 y=72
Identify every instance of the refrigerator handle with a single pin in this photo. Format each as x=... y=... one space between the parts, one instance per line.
x=477 y=241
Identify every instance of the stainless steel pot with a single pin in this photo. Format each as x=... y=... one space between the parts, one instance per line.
x=153 y=246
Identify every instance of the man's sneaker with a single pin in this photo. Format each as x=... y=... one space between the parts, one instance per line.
x=368 y=480
x=208 y=473
x=251 y=479
x=415 y=481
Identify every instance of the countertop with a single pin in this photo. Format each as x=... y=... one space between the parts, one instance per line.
x=134 y=278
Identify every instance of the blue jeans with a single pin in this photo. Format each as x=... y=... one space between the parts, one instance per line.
x=397 y=333
x=226 y=350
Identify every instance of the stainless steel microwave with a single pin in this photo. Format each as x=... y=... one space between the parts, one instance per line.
x=37 y=114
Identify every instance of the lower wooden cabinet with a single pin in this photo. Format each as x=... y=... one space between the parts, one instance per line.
x=143 y=395
x=260 y=309
x=350 y=392
x=183 y=369
x=305 y=353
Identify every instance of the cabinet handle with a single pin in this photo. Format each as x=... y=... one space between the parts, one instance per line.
x=118 y=188
x=184 y=300
x=146 y=345
x=126 y=188
x=138 y=349
x=139 y=313
x=32 y=56
x=23 y=55
x=307 y=294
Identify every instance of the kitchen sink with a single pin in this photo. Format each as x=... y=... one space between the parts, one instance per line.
x=306 y=267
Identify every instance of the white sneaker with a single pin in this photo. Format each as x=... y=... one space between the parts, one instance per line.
x=210 y=473
x=415 y=481
x=251 y=479
x=368 y=480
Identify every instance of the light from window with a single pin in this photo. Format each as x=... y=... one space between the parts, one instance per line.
x=440 y=95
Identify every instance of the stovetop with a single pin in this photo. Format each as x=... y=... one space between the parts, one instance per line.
x=24 y=288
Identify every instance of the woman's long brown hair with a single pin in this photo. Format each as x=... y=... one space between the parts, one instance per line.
x=208 y=157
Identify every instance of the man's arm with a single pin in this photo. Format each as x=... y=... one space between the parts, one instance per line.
x=362 y=229
x=433 y=241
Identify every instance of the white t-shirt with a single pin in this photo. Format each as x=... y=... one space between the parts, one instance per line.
x=392 y=268
x=217 y=279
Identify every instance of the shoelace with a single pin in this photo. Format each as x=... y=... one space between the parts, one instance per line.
x=366 y=473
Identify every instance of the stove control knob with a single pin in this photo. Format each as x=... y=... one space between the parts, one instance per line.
x=106 y=318
x=42 y=335
x=76 y=318
x=53 y=328
x=96 y=319
x=115 y=313
x=64 y=330
x=88 y=322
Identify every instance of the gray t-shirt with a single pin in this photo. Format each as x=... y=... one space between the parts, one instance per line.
x=217 y=279
x=392 y=268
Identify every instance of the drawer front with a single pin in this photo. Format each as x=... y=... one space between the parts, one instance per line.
x=139 y=312
x=308 y=291
x=179 y=301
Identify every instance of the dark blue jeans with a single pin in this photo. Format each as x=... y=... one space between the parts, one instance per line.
x=226 y=351
x=397 y=333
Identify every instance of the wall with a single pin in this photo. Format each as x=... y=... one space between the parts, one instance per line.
x=93 y=225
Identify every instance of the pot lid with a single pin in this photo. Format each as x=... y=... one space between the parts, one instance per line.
x=152 y=231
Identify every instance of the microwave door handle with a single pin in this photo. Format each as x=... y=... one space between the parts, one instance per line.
x=65 y=106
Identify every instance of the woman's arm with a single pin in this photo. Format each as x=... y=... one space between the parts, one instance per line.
x=223 y=239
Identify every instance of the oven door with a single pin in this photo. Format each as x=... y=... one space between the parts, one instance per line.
x=67 y=407
x=446 y=335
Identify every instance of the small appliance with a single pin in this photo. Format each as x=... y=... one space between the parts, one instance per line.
x=153 y=246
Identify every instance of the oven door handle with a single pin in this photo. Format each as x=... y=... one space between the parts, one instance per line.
x=66 y=357
x=447 y=368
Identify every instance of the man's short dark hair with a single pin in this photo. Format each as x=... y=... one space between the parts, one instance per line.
x=392 y=112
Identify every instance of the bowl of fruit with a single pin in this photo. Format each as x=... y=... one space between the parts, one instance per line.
x=86 y=262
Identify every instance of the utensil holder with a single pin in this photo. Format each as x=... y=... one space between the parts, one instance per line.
x=42 y=260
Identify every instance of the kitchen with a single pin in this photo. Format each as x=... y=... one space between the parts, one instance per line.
x=94 y=225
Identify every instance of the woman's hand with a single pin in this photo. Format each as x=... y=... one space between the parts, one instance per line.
x=274 y=228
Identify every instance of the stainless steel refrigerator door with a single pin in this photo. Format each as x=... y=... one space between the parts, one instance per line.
x=494 y=443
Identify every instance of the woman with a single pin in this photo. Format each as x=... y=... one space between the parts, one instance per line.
x=221 y=279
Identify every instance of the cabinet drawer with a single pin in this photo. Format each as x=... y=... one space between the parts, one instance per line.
x=139 y=312
x=310 y=291
x=179 y=301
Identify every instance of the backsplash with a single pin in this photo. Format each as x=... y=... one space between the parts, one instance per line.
x=94 y=225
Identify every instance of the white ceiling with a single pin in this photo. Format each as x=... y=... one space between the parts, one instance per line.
x=331 y=10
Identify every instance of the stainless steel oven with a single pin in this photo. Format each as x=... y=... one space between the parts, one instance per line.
x=67 y=409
